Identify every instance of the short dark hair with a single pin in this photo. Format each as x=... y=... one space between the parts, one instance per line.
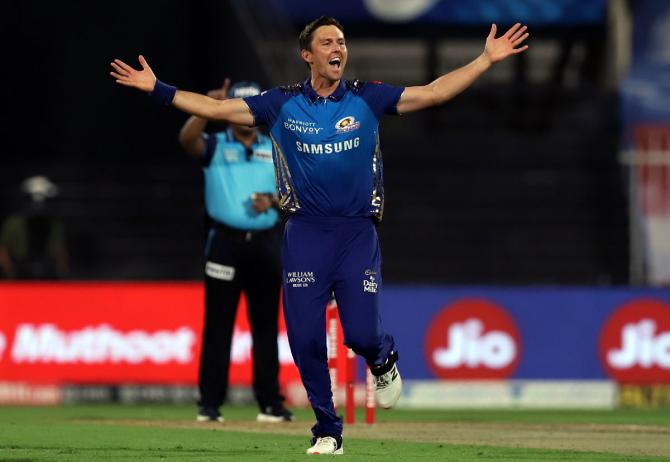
x=307 y=33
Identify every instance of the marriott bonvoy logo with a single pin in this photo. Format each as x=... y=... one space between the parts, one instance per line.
x=635 y=342
x=47 y=343
x=302 y=127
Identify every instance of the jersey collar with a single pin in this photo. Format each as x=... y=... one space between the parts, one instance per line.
x=314 y=97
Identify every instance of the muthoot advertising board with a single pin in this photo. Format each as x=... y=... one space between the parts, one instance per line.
x=114 y=333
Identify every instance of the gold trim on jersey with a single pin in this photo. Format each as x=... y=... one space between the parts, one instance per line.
x=377 y=196
x=285 y=188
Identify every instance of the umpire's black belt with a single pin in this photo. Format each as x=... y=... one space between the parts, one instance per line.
x=241 y=234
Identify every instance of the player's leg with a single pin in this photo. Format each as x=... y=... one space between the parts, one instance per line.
x=222 y=293
x=357 y=287
x=307 y=283
x=262 y=281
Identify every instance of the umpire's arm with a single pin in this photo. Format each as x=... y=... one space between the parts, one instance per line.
x=190 y=135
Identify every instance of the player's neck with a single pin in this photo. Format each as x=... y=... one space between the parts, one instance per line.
x=323 y=86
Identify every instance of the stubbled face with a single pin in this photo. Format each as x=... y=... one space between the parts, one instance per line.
x=329 y=53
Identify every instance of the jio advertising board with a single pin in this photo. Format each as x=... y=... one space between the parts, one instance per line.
x=534 y=334
x=150 y=333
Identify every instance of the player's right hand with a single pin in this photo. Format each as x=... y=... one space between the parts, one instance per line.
x=144 y=80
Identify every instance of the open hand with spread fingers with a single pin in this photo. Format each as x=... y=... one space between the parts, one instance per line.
x=500 y=48
x=144 y=80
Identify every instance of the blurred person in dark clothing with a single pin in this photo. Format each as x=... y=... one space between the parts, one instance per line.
x=32 y=241
x=241 y=254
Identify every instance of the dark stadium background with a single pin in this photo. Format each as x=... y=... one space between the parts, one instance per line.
x=515 y=182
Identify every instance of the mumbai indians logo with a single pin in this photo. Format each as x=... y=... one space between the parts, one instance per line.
x=348 y=124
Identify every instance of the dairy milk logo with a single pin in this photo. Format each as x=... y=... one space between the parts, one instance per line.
x=635 y=342
x=370 y=281
x=473 y=339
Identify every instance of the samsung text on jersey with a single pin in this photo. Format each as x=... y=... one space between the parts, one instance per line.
x=327 y=148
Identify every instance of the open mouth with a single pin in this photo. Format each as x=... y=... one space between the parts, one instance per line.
x=337 y=62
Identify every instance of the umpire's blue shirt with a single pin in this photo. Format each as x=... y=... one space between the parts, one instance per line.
x=232 y=175
x=326 y=150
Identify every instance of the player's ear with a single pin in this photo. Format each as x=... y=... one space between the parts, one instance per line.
x=306 y=56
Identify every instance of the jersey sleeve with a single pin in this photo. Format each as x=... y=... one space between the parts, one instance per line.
x=382 y=98
x=265 y=107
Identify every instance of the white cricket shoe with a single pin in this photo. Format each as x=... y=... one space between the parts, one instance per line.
x=388 y=387
x=326 y=445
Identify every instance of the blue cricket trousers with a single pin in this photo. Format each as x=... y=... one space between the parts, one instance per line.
x=322 y=255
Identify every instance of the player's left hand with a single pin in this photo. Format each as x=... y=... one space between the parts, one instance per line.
x=261 y=202
x=500 y=48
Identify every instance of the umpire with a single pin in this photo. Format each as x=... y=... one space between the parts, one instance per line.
x=241 y=254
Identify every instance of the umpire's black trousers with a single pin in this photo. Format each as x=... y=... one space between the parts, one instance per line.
x=238 y=261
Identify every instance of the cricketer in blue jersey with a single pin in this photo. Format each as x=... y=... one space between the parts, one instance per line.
x=325 y=134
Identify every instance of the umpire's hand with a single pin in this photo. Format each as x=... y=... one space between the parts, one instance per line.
x=220 y=93
x=262 y=202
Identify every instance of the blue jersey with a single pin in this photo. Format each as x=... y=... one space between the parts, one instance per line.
x=326 y=150
x=232 y=175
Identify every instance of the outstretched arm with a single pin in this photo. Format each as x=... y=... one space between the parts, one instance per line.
x=233 y=110
x=449 y=85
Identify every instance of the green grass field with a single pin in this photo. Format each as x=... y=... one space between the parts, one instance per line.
x=159 y=433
